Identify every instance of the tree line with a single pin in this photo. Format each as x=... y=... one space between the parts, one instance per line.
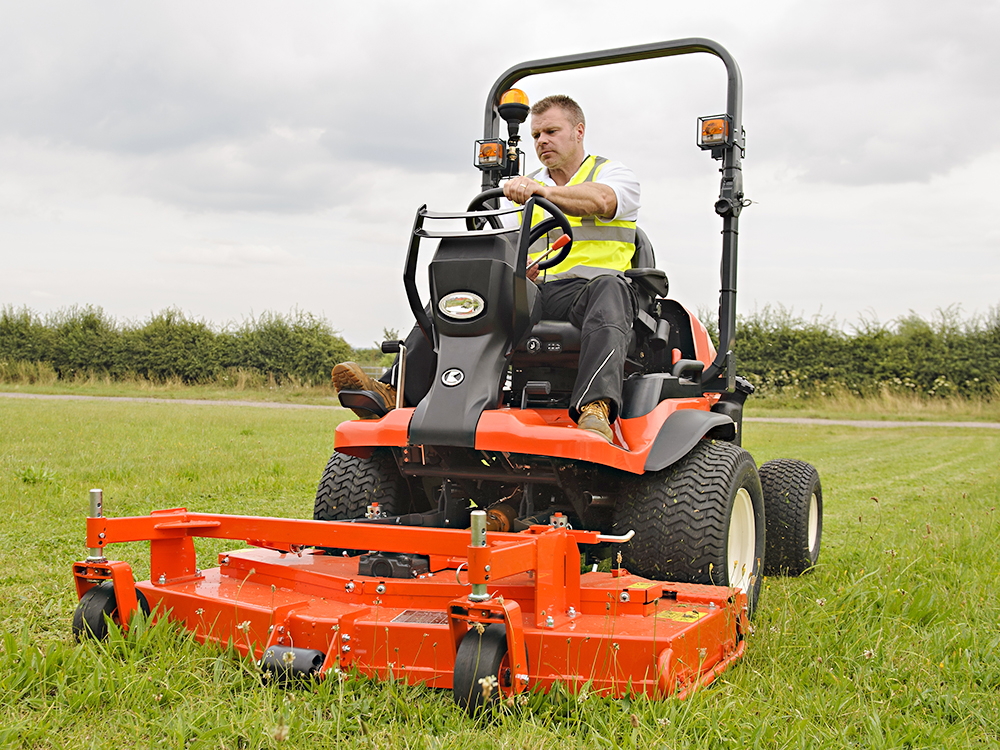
x=947 y=355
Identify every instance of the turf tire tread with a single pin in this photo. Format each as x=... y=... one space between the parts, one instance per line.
x=788 y=485
x=350 y=484
x=679 y=515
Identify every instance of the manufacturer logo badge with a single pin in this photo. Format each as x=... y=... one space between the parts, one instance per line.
x=452 y=377
x=461 y=305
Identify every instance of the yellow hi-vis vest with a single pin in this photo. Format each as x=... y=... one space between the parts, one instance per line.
x=597 y=244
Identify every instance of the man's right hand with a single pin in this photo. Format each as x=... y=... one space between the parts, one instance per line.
x=520 y=189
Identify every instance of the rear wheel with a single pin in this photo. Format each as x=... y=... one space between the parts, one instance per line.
x=482 y=669
x=793 y=503
x=97 y=605
x=698 y=521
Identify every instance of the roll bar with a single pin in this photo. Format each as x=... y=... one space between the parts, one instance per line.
x=720 y=374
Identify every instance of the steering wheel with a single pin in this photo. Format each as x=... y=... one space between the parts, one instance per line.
x=557 y=220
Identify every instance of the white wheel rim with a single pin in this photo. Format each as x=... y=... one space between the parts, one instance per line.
x=742 y=542
x=813 y=523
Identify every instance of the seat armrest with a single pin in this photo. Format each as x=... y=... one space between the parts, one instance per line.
x=653 y=281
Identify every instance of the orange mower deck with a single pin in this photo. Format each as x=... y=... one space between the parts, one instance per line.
x=614 y=633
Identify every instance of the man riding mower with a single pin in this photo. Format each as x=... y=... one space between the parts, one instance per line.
x=588 y=288
x=449 y=525
x=498 y=367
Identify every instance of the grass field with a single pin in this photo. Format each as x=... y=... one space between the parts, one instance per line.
x=894 y=641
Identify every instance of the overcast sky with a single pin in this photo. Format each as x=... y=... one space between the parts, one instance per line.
x=231 y=158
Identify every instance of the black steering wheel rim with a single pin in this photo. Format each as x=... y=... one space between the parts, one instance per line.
x=477 y=204
x=557 y=220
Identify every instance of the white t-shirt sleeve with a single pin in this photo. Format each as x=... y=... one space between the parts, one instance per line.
x=623 y=181
x=615 y=175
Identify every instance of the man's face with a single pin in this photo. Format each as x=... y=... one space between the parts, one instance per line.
x=558 y=142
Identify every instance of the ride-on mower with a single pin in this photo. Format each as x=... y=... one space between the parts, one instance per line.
x=446 y=541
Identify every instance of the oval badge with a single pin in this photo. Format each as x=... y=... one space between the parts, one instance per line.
x=452 y=377
x=461 y=305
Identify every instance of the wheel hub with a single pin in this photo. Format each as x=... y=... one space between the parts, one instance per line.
x=813 y=523
x=742 y=541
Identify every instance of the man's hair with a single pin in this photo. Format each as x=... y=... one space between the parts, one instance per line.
x=562 y=101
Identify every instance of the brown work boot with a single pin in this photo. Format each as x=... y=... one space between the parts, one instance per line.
x=348 y=376
x=594 y=417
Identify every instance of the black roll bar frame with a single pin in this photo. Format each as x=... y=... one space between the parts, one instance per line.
x=721 y=373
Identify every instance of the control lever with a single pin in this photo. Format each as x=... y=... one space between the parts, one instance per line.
x=557 y=245
x=392 y=347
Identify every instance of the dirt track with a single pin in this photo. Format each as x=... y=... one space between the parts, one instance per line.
x=868 y=423
x=873 y=422
x=191 y=401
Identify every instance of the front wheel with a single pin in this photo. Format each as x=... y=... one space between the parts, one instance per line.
x=482 y=669
x=793 y=501
x=698 y=521
x=350 y=484
x=97 y=606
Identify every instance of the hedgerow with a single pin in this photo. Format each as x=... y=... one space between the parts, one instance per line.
x=777 y=351
x=946 y=356
x=169 y=345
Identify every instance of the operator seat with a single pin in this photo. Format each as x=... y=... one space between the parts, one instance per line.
x=561 y=336
x=551 y=351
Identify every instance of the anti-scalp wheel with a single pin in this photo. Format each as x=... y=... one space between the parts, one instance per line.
x=97 y=605
x=482 y=669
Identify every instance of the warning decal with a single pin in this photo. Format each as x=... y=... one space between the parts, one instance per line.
x=683 y=614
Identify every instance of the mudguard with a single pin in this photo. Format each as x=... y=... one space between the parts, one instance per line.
x=681 y=432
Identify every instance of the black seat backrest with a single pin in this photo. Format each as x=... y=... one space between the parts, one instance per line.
x=644 y=256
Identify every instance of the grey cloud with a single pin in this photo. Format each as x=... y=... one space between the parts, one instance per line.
x=120 y=82
x=228 y=254
x=167 y=80
x=877 y=93
x=196 y=111
x=279 y=171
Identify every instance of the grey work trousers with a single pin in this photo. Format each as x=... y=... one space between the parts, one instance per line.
x=603 y=308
